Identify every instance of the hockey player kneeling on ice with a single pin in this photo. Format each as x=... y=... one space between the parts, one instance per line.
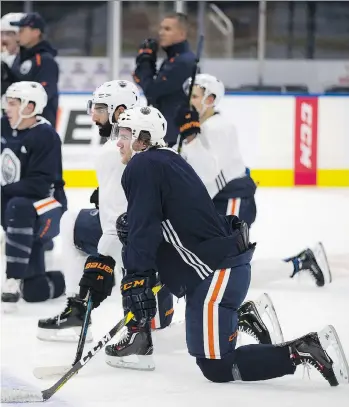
x=210 y=146
x=92 y=232
x=174 y=229
x=32 y=195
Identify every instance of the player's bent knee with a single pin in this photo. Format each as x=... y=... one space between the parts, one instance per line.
x=217 y=370
x=43 y=287
x=19 y=207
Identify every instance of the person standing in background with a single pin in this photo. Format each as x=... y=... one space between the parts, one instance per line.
x=36 y=61
x=164 y=88
x=9 y=37
x=9 y=47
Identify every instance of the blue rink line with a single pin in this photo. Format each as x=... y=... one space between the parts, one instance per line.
x=9 y=381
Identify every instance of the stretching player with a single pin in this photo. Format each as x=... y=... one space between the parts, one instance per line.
x=174 y=229
x=32 y=195
x=211 y=147
x=92 y=232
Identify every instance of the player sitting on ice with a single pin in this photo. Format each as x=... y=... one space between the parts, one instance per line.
x=210 y=146
x=32 y=195
x=174 y=229
x=90 y=233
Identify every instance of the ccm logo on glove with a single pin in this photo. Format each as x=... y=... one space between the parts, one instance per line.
x=133 y=284
x=99 y=266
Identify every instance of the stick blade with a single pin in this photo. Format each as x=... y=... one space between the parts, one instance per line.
x=11 y=395
x=50 y=372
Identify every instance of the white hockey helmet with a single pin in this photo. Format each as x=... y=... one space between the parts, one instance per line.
x=114 y=94
x=10 y=18
x=210 y=85
x=146 y=118
x=28 y=92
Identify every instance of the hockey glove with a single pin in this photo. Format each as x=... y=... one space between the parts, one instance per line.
x=94 y=198
x=98 y=278
x=188 y=122
x=148 y=52
x=122 y=228
x=138 y=297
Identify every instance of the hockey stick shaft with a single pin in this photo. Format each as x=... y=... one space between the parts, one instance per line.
x=48 y=393
x=199 y=49
x=84 y=328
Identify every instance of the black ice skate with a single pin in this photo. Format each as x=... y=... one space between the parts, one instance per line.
x=315 y=261
x=134 y=350
x=10 y=295
x=251 y=314
x=307 y=350
x=65 y=327
x=251 y=323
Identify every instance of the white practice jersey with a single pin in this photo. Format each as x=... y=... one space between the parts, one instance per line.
x=112 y=200
x=214 y=153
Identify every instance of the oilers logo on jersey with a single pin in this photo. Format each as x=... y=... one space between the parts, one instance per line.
x=10 y=167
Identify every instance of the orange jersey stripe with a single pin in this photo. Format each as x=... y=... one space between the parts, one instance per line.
x=45 y=204
x=233 y=206
x=210 y=313
x=38 y=59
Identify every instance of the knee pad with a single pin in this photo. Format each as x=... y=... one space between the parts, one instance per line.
x=43 y=287
x=163 y=318
x=217 y=370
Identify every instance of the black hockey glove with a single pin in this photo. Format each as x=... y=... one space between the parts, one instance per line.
x=148 y=52
x=240 y=225
x=138 y=296
x=94 y=198
x=122 y=228
x=188 y=122
x=98 y=278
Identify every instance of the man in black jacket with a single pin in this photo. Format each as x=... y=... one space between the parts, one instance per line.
x=164 y=89
x=35 y=61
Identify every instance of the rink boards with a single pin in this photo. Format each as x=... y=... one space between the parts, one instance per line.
x=285 y=140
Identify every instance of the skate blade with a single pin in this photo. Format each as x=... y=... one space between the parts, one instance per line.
x=331 y=343
x=50 y=372
x=266 y=307
x=9 y=307
x=68 y=335
x=321 y=259
x=133 y=362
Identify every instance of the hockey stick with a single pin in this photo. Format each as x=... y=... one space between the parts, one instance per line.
x=47 y=372
x=199 y=49
x=25 y=396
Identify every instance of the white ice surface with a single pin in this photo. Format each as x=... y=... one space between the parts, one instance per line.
x=288 y=221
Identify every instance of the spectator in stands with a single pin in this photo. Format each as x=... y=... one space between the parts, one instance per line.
x=164 y=89
x=35 y=61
